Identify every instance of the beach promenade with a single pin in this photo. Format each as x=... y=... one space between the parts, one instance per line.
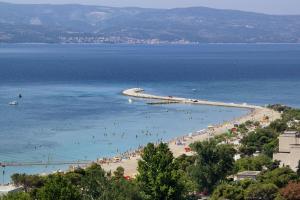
x=256 y=113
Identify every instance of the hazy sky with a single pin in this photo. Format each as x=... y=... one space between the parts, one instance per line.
x=265 y=6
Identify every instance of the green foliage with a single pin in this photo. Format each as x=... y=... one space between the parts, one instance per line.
x=256 y=123
x=248 y=123
x=221 y=137
x=74 y=177
x=232 y=190
x=265 y=140
x=251 y=123
x=242 y=128
x=278 y=125
x=85 y=184
x=252 y=163
x=213 y=163
x=122 y=189
x=28 y=181
x=119 y=173
x=271 y=147
x=262 y=140
x=16 y=196
x=183 y=162
x=95 y=184
x=263 y=191
x=279 y=107
x=58 y=188
x=246 y=150
x=158 y=176
x=279 y=176
x=228 y=191
x=291 y=114
x=265 y=187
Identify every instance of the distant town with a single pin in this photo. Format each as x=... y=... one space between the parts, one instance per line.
x=118 y=40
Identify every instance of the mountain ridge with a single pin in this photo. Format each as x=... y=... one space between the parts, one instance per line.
x=74 y=23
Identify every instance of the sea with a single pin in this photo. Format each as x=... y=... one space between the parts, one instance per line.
x=72 y=108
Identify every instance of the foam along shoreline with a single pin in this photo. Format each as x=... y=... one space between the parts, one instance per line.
x=256 y=113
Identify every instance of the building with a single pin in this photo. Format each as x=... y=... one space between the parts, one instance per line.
x=289 y=149
x=5 y=189
x=246 y=175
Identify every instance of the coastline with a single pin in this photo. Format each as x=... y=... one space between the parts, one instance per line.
x=256 y=113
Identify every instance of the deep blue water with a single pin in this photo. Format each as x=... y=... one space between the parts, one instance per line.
x=72 y=107
x=121 y=63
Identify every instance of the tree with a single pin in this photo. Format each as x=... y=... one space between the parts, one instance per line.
x=158 y=176
x=242 y=128
x=16 y=196
x=213 y=163
x=184 y=162
x=271 y=147
x=278 y=125
x=291 y=114
x=95 y=184
x=228 y=191
x=279 y=176
x=91 y=183
x=122 y=189
x=291 y=191
x=252 y=163
x=119 y=173
x=28 y=181
x=263 y=191
x=74 y=177
x=256 y=123
x=58 y=188
x=232 y=190
x=279 y=107
x=247 y=150
x=263 y=140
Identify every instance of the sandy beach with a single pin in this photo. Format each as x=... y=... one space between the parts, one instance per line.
x=256 y=113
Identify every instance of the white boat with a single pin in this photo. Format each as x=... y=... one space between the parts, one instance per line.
x=13 y=103
x=130 y=100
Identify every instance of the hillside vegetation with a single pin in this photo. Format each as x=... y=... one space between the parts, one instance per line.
x=96 y=24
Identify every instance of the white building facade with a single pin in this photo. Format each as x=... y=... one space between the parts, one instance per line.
x=289 y=149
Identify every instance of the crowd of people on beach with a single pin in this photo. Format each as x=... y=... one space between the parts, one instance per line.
x=179 y=141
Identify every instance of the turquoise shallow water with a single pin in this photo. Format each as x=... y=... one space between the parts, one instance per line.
x=72 y=122
x=72 y=107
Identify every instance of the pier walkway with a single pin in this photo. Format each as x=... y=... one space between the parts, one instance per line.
x=139 y=93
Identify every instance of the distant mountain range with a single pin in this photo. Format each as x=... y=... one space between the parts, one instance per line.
x=20 y=23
